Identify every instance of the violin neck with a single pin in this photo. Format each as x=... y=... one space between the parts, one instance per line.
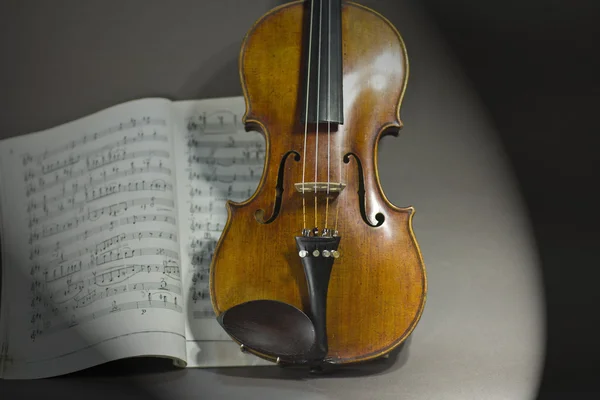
x=323 y=70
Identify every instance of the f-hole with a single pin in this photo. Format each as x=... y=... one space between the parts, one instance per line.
x=361 y=193
x=260 y=213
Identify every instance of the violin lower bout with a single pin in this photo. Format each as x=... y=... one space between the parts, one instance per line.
x=377 y=287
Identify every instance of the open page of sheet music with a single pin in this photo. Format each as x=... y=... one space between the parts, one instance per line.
x=91 y=242
x=217 y=161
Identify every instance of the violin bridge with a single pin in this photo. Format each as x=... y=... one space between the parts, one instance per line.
x=320 y=187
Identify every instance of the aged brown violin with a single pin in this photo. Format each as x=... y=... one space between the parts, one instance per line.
x=318 y=268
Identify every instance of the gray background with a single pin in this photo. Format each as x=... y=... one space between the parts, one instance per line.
x=482 y=332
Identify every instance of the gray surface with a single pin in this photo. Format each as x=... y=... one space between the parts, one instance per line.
x=481 y=335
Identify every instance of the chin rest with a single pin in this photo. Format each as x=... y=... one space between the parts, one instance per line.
x=272 y=328
x=281 y=331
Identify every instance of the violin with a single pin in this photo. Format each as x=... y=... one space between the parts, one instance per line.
x=317 y=268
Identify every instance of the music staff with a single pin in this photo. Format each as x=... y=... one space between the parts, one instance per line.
x=126 y=252
x=90 y=196
x=215 y=122
x=95 y=295
x=207 y=226
x=227 y=161
x=86 y=139
x=90 y=191
x=103 y=176
x=56 y=229
x=162 y=302
x=252 y=175
x=122 y=239
x=120 y=274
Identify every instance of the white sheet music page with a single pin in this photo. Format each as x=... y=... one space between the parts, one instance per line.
x=90 y=242
x=218 y=161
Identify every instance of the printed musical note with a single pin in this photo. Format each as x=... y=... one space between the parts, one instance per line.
x=102 y=134
x=101 y=213
x=223 y=162
x=91 y=236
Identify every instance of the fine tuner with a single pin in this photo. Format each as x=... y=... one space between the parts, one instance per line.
x=316 y=253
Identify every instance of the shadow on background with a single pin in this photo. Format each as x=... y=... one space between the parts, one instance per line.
x=224 y=81
x=535 y=66
x=396 y=360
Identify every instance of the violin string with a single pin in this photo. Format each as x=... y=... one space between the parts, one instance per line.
x=318 y=105
x=337 y=204
x=312 y=4
x=328 y=110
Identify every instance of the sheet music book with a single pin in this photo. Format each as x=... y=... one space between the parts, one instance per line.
x=108 y=224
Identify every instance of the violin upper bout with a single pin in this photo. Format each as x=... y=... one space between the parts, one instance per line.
x=376 y=70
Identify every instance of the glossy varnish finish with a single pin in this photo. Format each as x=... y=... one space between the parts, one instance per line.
x=378 y=284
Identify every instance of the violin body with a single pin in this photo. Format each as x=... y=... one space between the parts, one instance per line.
x=377 y=286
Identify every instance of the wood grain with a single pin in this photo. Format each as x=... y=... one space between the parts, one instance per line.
x=378 y=284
